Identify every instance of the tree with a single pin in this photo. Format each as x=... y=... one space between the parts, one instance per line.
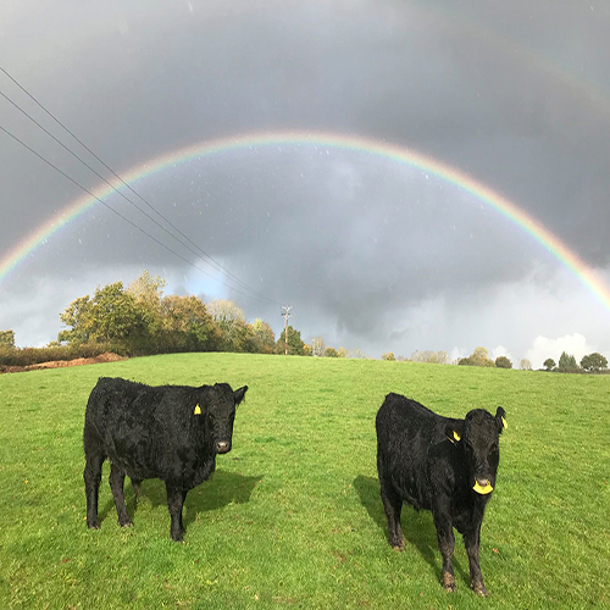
x=318 y=347
x=114 y=316
x=224 y=311
x=388 y=356
x=442 y=357
x=549 y=364
x=502 y=362
x=237 y=336
x=594 y=362
x=468 y=361
x=74 y=317
x=295 y=344
x=567 y=363
x=7 y=338
x=480 y=357
x=187 y=326
x=525 y=365
x=430 y=357
x=331 y=352
x=357 y=354
x=264 y=337
x=147 y=289
x=342 y=352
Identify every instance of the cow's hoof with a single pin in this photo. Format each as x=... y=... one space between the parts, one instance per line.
x=126 y=523
x=400 y=546
x=93 y=524
x=449 y=583
x=480 y=589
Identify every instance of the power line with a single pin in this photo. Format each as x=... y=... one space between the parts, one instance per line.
x=199 y=251
x=217 y=267
x=127 y=220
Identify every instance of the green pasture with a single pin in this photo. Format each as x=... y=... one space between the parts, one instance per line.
x=292 y=517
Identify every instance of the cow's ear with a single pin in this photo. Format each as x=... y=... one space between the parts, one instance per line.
x=501 y=420
x=453 y=435
x=238 y=395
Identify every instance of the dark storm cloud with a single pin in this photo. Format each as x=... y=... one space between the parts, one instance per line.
x=518 y=96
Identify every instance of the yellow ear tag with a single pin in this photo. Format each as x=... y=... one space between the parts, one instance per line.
x=197 y=410
x=504 y=423
x=456 y=436
x=483 y=490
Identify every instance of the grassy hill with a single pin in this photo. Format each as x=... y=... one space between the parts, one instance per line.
x=292 y=517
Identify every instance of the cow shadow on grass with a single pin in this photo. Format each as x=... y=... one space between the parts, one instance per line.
x=417 y=528
x=222 y=489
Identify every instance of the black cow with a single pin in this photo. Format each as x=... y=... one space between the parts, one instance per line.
x=172 y=433
x=441 y=464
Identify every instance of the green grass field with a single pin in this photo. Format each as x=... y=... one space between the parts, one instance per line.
x=292 y=517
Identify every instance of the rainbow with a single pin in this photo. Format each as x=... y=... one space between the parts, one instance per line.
x=251 y=141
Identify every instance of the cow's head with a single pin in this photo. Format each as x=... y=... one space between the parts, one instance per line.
x=479 y=440
x=219 y=413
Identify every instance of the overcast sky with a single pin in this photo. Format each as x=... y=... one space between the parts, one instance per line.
x=372 y=254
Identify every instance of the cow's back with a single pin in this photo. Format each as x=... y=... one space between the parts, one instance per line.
x=406 y=432
x=141 y=428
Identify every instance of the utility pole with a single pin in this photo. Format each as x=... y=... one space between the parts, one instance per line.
x=286 y=314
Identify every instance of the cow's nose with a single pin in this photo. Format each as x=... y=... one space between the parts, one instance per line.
x=483 y=486
x=222 y=446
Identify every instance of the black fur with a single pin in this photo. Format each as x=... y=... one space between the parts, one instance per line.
x=155 y=432
x=421 y=462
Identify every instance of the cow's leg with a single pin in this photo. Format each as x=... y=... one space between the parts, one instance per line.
x=175 y=501
x=93 y=476
x=135 y=484
x=117 y=479
x=446 y=543
x=392 y=505
x=472 y=542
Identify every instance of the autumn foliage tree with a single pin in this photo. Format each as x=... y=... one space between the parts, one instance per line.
x=140 y=320
x=7 y=339
x=480 y=357
x=112 y=316
x=187 y=326
x=264 y=337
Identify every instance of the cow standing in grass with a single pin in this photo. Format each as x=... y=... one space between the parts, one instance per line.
x=172 y=433
x=441 y=464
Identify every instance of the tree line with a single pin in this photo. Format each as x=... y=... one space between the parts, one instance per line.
x=140 y=320
x=591 y=363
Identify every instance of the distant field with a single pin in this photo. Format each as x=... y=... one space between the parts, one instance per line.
x=292 y=517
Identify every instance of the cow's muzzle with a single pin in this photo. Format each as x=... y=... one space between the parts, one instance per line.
x=483 y=486
x=223 y=446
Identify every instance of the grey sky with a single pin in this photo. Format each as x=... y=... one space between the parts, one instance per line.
x=371 y=254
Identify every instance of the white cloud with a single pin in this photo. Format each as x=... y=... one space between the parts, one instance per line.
x=500 y=350
x=544 y=348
